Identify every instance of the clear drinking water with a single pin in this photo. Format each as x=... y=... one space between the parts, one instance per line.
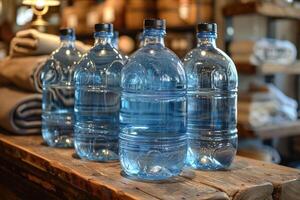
x=153 y=141
x=58 y=92
x=212 y=103
x=97 y=99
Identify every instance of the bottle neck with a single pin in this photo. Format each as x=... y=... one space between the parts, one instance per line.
x=206 y=41
x=70 y=43
x=153 y=36
x=103 y=38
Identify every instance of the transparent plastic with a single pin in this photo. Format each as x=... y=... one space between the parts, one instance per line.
x=97 y=101
x=153 y=141
x=58 y=94
x=212 y=106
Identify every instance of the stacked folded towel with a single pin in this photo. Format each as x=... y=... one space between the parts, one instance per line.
x=264 y=106
x=263 y=51
x=20 y=83
x=20 y=94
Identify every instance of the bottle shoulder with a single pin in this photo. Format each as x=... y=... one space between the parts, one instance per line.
x=102 y=54
x=210 y=68
x=99 y=57
x=155 y=56
x=209 y=54
x=101 y=66
x=66 y=57
x=209 y=59
x=153 y=67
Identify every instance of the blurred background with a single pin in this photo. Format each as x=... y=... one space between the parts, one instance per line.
x=261 y=36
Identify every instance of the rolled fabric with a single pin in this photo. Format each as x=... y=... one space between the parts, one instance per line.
x=264 y=51
x=22 y=72
x=31 y=42
x=20 y=112
x=267 y=105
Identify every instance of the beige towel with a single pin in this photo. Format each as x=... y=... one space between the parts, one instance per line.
x=22 y=72
x=20 y=112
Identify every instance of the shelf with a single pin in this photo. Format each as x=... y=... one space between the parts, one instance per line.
x=285 y=129
x=266 y=9
x=268 y=69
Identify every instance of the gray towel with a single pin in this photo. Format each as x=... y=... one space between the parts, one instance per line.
x=22 y=72
x=20 y=112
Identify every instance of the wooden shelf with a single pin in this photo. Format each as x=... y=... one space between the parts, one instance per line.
x=262 y=8
x=268 y=69
x=285 y=129
x=31 y=170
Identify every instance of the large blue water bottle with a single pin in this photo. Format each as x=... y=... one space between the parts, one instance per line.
x=212 y=103
x=153 y=141
x=58 y=92
x=97 y=98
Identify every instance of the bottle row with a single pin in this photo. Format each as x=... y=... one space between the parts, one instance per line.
x=152 y=111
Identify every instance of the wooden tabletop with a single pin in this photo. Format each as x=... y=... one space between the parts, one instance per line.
x=31 y=170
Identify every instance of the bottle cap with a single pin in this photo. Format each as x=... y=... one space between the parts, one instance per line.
x=207 y=27
x=66 y=31
x=104 y=27
x=155 y=24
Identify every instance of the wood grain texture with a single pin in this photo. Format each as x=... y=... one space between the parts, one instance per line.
x=59 y=175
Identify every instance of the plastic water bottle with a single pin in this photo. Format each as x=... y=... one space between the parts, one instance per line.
x=58 y=92
x=212 y=103
x=97 y=99
x=153 y=143
x=115 y=40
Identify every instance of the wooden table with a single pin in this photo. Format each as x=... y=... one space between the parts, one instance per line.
x=31 y=170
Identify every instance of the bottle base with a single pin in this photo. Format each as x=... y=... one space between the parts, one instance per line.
x=211 y=155
x=207 y=163
x=97 y=149
x=59 y=141
x=57 y=130
x=99 y=155
x=153 y=164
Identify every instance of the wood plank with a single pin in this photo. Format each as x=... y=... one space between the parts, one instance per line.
x=267 y=9
x=55 y=168
x=252 y=179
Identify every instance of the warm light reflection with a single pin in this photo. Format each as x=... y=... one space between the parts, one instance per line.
x=108 y=14
x=41 y=3
x=183 y=9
